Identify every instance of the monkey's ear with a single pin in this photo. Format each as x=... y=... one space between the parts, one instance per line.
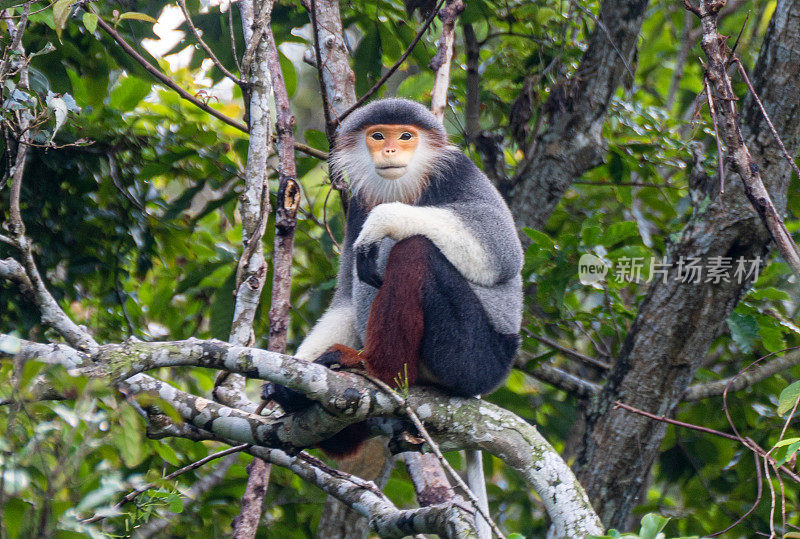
x=367 y=265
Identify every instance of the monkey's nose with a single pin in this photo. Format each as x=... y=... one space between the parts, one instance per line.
x=389 y=150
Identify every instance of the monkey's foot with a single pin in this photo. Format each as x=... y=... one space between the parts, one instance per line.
x=339 y=355
x=289 y=399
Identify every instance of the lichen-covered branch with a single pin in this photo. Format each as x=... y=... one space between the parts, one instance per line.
x=440 y=63
x=730 y=131
x=338 y=78
x=288 y=201
x=446 y=520
x=344 y=398
x=251 y=273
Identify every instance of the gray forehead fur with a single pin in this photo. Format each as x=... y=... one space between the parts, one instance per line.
x=392 y=111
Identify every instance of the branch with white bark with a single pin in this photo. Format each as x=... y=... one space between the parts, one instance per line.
x=344 y=398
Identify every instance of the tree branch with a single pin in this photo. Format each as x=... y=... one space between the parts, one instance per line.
x=447 y=520
x=251 y=272
x=741 y=381
x=204 y=45
x=574 y=354
x=717 y=76
x=375 y=87
x=440 y=63
x=337 y=76
x=288 y=201
x=345 y=398
x=161 y=77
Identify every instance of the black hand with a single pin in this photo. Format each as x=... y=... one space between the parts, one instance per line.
x=289 y=399
x=367 y=265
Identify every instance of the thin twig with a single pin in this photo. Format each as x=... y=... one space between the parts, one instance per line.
x=720 y=161
x=627 y=184
x=664 y=419
x=569 y=352
x=394 y=67
x=233 y=39
x=435 y=448
x=330 y=126
x=772 y=498
x=759 y=492
x=165 y=79
x=766 y=116
x=204 y=45
x=741 y=31
x=325 y=218
x=747 y=442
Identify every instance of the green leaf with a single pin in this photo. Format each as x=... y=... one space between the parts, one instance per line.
x=129 y=93
x=61 y=11
x=167 y=453
x=782 y=456
x=744 y=331
x=540 y=238
x=134 y=15
x=59 y=108
x=90 y=22
x=652 y=524
x=129 y=439
x=545 y=15
x=316 y=139
x=788 y=397
x=619 y=232
x=175 y=503
x=787 y=441
x=770 y=293
x=368 y=61
x=618 y=168
x=289 y=74
x=14 y=516
x=771 y=335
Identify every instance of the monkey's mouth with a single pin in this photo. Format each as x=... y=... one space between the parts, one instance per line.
x=391 y=172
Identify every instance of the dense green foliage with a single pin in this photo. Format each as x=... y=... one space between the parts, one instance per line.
x=137 y=232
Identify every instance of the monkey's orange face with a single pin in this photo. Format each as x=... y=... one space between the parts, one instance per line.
x=392 y=147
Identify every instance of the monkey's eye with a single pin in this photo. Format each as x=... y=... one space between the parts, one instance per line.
x=377 y=136
x=406 y=136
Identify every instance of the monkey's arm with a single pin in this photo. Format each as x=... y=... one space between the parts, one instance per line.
x=478 y=239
